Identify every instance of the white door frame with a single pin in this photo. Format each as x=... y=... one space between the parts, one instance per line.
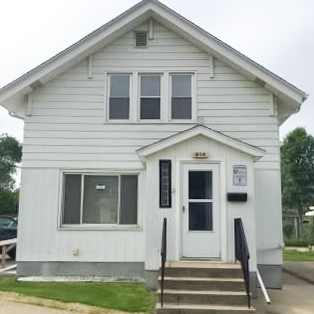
x=219 y=227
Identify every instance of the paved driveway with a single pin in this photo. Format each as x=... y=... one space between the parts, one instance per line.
x=296 y=297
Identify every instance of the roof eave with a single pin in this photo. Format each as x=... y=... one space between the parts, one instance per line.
x=129 y=19
x=75 y=53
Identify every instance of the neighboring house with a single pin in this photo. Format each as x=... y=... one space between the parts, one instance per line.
x=148 y=117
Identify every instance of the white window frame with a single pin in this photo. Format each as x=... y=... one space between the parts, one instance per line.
x=87 y=226
x=193 y=96
x=165 y=97
x=107 y=96
x=161 y=97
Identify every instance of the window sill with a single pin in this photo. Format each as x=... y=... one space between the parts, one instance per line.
x=92 y=227
x=150 y=122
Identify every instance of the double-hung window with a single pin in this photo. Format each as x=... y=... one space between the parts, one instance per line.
x=150 y=96
x=99 y=199
x=119 y=97
x=181 y=96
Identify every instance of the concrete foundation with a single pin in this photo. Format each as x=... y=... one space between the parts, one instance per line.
x=82 y=270
x=271 y=275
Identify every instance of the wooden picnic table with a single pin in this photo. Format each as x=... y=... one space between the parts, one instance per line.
x=6 y=246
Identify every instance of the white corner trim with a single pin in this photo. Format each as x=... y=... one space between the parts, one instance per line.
x=105 y=97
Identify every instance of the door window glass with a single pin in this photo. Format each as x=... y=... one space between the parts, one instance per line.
x=201 y=216
x=200 y=185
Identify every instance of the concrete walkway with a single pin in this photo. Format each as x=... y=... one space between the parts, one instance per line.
x=301 y=270
x=297 y=295
x=9 y=307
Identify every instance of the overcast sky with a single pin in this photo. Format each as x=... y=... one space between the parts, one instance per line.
x=278 y=34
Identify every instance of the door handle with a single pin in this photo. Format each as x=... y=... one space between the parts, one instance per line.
x=183 y=208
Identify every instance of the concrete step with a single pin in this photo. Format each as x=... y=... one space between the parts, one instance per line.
x=202 y=309
x=199 y=287
x=203 y=270
x=204 y=297
x=195 y=283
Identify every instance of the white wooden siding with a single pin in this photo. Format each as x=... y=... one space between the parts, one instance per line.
x=38 y=237
x=67 y=130
x=68 y=111
x=220 y=154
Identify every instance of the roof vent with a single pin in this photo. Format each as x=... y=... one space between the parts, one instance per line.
x=141 y=39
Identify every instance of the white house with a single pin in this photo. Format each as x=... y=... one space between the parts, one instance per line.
x=148 y=117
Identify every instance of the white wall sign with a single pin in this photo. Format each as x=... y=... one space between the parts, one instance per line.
x=239 y=175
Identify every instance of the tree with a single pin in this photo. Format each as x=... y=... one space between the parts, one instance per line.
x=10 y=156
x=297 y=172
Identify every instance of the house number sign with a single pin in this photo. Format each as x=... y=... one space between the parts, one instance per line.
x=240 y=175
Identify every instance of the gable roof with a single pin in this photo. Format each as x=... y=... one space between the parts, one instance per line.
x=288 y=96
x=209 y=133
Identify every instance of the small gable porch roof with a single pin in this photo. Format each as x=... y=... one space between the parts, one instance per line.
x=199 y=129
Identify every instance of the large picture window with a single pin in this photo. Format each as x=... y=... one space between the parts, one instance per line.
x=119 y=96
x=150 y=96
x=181 y=96
x=100 y=199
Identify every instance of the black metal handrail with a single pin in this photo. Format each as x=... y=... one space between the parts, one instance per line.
x=163 y=253
x=242 y=254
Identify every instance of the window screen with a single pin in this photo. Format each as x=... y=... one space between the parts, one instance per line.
x=150 y=97
x=128 y=207
x=119 y=97
x=181 y=96
x=72 y=199
x=100 y=199
x=164 y=183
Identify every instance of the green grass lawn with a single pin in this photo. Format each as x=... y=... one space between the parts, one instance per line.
x=297 y=256
x=128 y=297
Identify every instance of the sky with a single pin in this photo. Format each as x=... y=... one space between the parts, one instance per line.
x=277 y=34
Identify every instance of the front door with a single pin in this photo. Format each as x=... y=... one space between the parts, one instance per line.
x=200 y=211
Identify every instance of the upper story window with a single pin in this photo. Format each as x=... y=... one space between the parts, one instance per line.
x=150 y=96
x=181 y=96
x=119 y=96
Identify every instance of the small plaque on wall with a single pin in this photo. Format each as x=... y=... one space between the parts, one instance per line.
x=240 y=175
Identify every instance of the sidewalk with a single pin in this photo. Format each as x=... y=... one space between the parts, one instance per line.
x=301 y=270
x=297 y=295
x=8 y=307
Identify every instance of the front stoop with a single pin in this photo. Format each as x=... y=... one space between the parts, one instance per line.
x=203 y=287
